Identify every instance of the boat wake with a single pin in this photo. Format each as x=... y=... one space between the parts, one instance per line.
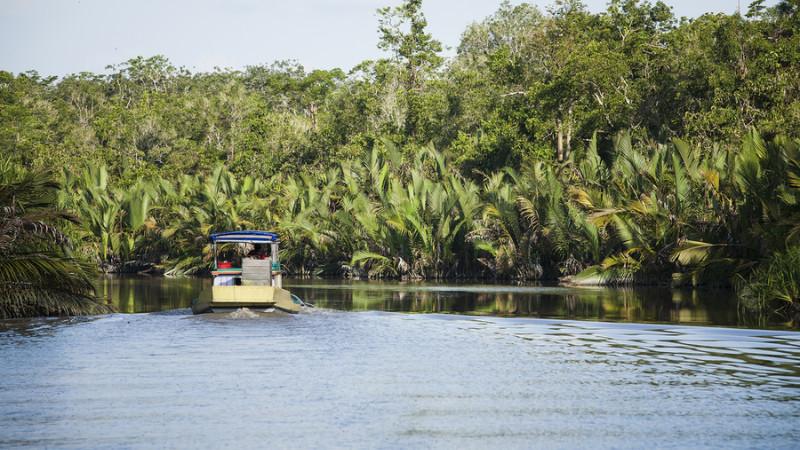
x=243 y=313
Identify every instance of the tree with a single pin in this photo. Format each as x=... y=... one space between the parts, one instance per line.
x=402 y=32
x=38 y=276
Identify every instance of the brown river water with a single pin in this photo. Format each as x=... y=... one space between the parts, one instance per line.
x=475 y=366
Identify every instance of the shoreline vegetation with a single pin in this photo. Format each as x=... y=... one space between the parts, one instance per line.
x=625 y=147
x=39 y=276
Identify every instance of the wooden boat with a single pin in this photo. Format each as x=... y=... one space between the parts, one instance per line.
x=256 y=285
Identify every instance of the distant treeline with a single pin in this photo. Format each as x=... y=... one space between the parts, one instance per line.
x=525 y=85
x=625 y=146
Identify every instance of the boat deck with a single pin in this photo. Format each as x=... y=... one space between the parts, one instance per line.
x=235 y=271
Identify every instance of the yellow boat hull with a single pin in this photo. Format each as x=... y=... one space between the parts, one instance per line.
x=231 y=297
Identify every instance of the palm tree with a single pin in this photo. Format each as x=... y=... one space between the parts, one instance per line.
x=687 y=215
x=91 y=196
x=197 y=206
x=115 y=220
x=423 y=212
x=37 y=274
x=306 y=219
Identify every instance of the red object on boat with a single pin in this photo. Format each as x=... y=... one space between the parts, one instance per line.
x=225 y=265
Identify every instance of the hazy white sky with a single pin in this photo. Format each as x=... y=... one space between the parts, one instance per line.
x=56 y=37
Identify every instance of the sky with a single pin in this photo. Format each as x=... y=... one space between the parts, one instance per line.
x=58 y=37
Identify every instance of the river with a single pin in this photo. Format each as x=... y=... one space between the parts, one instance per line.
x=485 y=366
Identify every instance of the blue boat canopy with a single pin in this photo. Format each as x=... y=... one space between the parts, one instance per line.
x=247 y=236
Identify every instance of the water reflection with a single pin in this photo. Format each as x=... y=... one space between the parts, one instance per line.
x=141 y=294
x=713 y=307
x=634 y=305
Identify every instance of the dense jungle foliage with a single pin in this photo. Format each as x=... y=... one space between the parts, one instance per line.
x=38 y=274
x=628 y=146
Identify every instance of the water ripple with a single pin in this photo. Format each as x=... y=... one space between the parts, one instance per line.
x=337 y=379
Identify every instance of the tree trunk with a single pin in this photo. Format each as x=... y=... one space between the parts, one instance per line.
x=569 y=133
x=560 y=140
x=312 y=111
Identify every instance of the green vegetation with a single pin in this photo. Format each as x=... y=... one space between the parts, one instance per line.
x=623 y=147
x=775 y=284
x=34 y=253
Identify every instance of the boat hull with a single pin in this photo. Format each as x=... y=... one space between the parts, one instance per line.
x=254 y=297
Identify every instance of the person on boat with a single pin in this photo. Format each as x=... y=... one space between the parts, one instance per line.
x=259 y=251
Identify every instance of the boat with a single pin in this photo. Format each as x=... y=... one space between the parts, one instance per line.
x=256 y=284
